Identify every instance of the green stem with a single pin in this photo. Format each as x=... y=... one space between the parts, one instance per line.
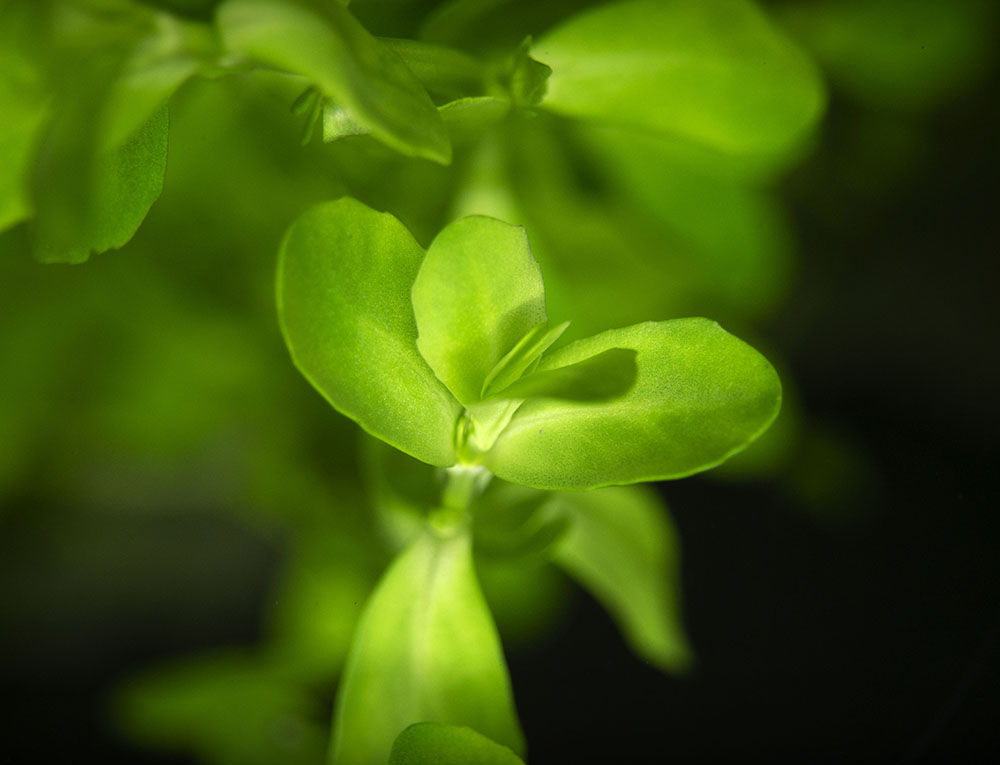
x=462 y=484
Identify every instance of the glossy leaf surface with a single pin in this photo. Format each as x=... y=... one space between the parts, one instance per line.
x=344 y=278
x=440 y=744
x=426 y=649
x=714 y=72
x=324 y=42
x=478 y=293
x=621 y=545
x=700 y=396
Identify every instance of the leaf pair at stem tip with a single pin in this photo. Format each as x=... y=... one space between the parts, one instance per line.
x=446 y=355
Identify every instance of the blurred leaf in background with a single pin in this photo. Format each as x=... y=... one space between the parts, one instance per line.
x=906 y=55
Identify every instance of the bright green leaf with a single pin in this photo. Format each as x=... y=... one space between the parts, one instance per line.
x=479 y=291
x=85 y=203
x=605 y=375
x=426 y=649
x=621 y=545
x=344 y=278
x=439 y=744
x=700 y=396
x=714 y=72
x=324 y=42
x=521 y=357
x=481 y=424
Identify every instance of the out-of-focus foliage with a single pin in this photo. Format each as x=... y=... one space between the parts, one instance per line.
x=228 y=708
x=711 y=72
x=620 y=545
x=323 y=42
x=909 y=55
x=86 y=85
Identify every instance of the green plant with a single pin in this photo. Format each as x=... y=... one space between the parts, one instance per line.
x=446 y=355
x=676 y=114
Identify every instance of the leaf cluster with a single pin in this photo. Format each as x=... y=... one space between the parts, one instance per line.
x=446 y=355
x=84 y=86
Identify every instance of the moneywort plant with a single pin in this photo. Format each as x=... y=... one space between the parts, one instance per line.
x=634 y=140
x=448 y=355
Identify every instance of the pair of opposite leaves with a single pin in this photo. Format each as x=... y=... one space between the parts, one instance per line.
x=443 y=354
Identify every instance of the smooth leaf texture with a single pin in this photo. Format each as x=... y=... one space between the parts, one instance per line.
x=700 y=396
x=326 y=44
x=439 y=744
x=521 y=357
x=606 y=375
x=344 y=278
x=478 y=293
x=426 y=649
x=714 y=72
x=88 y=201
x=621 y=545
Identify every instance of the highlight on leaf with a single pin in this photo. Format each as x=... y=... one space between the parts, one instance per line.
x=447 y=354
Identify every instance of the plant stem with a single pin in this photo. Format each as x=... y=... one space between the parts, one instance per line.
x=462 y=484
